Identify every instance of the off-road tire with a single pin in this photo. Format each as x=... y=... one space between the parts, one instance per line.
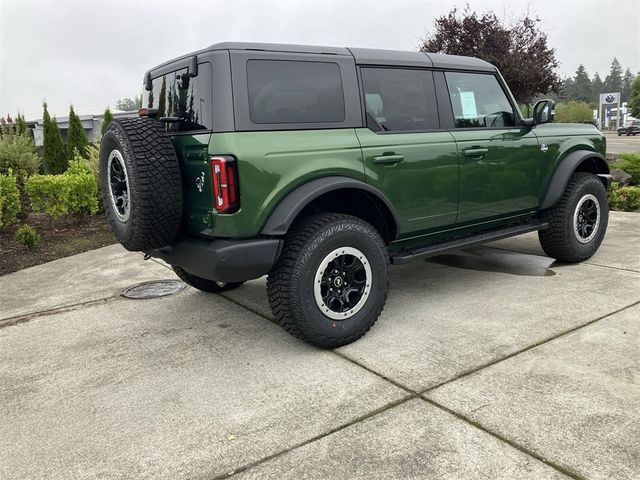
x=204 y=284
x=559 y=241
x=290 y=285
x=154 y=183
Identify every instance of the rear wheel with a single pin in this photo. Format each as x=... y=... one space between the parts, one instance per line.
x=204 y=284
x=578 y=222
x=330 y=284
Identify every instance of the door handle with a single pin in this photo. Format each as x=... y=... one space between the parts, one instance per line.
x=388 y=158
x=475 y=152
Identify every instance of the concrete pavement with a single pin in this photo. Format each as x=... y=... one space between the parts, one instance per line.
x=495 y=362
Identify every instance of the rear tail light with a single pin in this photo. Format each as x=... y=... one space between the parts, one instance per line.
x=225 y=184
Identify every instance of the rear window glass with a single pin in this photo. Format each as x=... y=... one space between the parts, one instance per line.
x=285 y=91
x=399 y=99
x=176 y=94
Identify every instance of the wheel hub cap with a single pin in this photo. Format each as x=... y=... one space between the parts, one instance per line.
x=342 y=283
x=586 y=219
x=118 y=180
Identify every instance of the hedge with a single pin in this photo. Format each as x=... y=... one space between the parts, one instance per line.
x=9 y=198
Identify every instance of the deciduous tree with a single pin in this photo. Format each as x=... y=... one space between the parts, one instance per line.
x=519 y=49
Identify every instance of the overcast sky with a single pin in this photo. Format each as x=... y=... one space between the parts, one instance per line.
x=93 y=52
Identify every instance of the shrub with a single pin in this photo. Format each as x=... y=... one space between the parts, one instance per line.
x=83 y=193
x=49 y=193
x=573 y=112
x=9 y=198
x=18 y=153
x=630 y=163
x=27 y=235
x=72 y=192
x=624 y=198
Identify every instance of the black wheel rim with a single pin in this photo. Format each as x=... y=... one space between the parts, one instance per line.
x=342 y=283
x=586 y=218
x=118 y=185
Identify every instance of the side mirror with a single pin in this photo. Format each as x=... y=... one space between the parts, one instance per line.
x=148 y=85
x=193 y=68
x=544 y=111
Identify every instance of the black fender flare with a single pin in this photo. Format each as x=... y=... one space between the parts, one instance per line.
x=567 y=166
x=283 y=216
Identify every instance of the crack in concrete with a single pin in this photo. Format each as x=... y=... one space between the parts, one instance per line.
x=413 y=394
x=9 y=321
x=526 y=349
x=561 y=469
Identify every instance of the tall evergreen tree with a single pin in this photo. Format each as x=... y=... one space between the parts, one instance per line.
x=613 y=81
x=106 y=119
x=582 y=85
x=55 y=156
x=597 y=87
x=634 y=98
x=162 y=100
x=567 y=90
x=21 y=126
x=627 y=80
x=76 y=136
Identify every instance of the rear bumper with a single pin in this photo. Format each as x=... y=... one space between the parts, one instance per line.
x=222 y=260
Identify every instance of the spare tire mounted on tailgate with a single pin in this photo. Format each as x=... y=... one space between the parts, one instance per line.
x=140 y=183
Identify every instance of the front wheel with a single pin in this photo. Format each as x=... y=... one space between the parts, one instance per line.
x=330 y=283
x=578 y=222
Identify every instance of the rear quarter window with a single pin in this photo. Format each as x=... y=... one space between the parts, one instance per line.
x=287 y=92
x=177 y=94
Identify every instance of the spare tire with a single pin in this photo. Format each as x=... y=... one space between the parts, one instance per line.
x=140 y=183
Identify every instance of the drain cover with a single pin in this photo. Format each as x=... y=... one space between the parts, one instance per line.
x=153 y=289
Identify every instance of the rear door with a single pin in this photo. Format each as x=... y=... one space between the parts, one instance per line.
x=406 y=155
x=499 y=160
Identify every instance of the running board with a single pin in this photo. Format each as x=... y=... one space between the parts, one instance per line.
x=406 y=256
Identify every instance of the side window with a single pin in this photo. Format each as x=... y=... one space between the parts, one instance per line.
x=287 y=91
x=478 y=101
x=399 y=100
x=177 y=94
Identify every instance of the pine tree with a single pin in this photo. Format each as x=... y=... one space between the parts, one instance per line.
x=55 y=156
x=106 y=120
x=613 y=81
x=21 y=126
x=582 y=85
x=627 y=80
x=162 y=100
x=634 y=98
x=597 y=86
x=567 y=89
x=76 y=136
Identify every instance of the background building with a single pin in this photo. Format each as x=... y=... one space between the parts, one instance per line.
x=92 y=125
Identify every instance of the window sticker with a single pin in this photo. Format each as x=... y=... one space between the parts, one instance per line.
x=468 y=104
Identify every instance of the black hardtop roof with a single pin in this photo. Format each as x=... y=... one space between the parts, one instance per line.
x=362 y=56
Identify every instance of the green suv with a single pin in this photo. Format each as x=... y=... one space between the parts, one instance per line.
x=321 y=166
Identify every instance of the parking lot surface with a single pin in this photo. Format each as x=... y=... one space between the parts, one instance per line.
x=494 y=362
x=622 y=144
